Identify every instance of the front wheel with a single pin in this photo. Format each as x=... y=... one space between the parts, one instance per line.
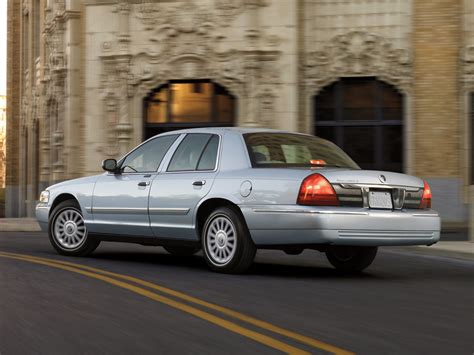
x=351 y=259
x=226 y=242
x=68 y=232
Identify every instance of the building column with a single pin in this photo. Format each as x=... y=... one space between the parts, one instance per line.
x=437 y=30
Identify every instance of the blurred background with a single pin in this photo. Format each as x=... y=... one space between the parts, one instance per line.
x=390 y=81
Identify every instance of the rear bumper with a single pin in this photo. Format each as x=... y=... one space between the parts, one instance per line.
x=304 y=225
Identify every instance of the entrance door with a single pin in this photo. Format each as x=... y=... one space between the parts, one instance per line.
x=120 y=201
x=176 y=191
x=187 y=104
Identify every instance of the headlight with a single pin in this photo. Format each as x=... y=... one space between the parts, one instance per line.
x=44 y=197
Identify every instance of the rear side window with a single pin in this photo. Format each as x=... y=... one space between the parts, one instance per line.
x=280 y=150
x=209 y=155
x=197 y=151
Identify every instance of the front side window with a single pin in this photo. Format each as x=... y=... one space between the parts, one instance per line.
x=147 y=157
x=286 y=150
x=197 y=151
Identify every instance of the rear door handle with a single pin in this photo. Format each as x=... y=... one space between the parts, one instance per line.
x=199 y=183
x=143 y=183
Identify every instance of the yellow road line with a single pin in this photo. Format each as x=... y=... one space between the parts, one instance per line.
x=245 y=318
x=233 y=327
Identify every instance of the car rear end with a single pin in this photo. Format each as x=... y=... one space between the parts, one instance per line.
x=320 y=196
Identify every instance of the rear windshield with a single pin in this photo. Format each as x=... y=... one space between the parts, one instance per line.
x=281 y=150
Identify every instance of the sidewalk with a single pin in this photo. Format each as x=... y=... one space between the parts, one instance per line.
x=19 y=225
x=455 y=249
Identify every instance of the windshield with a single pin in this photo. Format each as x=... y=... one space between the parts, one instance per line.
x=286 y=150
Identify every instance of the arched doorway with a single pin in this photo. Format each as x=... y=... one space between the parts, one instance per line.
x=187 y=104
x=364 y=116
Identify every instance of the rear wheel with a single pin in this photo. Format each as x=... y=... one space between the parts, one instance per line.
x=68 y=232
x=226 y=242
x=351 y=259
x=181 y=250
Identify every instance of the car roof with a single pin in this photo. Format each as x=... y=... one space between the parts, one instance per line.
x=238 y=130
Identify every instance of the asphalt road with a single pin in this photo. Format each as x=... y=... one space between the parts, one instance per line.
x=404 y=304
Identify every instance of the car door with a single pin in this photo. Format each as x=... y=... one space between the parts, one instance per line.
x=120 y=201
x=177 y=190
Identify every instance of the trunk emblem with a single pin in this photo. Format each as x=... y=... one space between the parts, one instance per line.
x=382 y=179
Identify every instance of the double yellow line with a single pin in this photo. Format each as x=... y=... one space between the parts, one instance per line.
x=119 y=280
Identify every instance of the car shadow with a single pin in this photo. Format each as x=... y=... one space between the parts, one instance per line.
x=258 y=269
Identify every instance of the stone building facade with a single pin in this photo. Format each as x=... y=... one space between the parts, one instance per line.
x=3 y=132
x=392 y=82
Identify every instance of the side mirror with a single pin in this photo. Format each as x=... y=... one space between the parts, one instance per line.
x=110 y=165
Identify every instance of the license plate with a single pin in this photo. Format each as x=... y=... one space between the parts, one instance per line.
x=380 y=199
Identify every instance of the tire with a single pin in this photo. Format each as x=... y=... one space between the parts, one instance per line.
x=226 y=242
x=182 y=250
x=77 y=242
x=351 y=259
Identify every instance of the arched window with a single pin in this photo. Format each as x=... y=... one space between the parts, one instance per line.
x=188 y=104
x=363 y=116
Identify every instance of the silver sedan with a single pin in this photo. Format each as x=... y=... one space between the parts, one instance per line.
x=229 y=191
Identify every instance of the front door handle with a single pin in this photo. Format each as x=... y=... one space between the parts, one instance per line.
x=199 y=183
x=143 y=183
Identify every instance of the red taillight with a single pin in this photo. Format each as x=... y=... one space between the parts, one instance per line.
x=315 y=190
x=426 y=199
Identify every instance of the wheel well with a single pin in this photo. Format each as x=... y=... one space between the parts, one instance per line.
x=210 y=205
x=62 y=198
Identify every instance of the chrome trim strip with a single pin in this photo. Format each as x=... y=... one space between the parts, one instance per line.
x=389 y=238
x=119 y=210
x=172 y=211
x=425 y=215
x=344 y=212
x=375 y=186
x=42 y=207
x=262 y=210
x=88 y=209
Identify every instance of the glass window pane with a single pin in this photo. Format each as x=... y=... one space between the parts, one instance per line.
x=225 y=108
x=157 y=107
x=209 y=156
x=327 y=132
x=359 y=98
x=147 y=157
x=287 y=150
x=392 y=148
x=325 y=114
x=359 y=143
x=187 y=154
x=324 y=104
x=392 y=102
x=191 y=104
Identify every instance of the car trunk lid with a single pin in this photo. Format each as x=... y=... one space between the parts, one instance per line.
x=373 y=188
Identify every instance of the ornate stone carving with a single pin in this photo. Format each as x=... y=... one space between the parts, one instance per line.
x=358 y=54
x=185 y=43
x=149 y=14
x=266 y=110
x=228 y=10
x=467 y=60
x=54 y=91
x=111 y=113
